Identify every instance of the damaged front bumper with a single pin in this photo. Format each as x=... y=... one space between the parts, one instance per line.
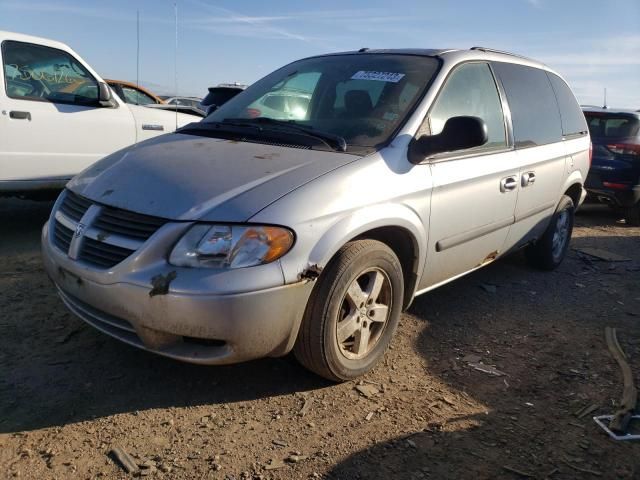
x=193 y=315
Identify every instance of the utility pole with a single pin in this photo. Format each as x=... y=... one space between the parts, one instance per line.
x=175 y=62
x=138 y=48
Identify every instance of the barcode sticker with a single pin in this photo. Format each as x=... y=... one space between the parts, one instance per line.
x=391 y=77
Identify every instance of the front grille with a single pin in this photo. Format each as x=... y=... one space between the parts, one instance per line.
x=107 y=235
x=74 y=206
x=102 y=254
x=130 y=224
x=61 y=236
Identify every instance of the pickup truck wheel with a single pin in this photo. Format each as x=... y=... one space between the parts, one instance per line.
x=549 y=251
x=632 y=215
x=353 y=312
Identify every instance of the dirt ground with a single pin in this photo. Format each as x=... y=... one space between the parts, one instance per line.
x=69 y=394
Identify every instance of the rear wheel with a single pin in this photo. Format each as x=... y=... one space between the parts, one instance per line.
x=549 y=251
x=353 y=312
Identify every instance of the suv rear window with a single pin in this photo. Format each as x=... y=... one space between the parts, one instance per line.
x=219 y=96
x=573 y=121
x=607 y=125
x=534 y=110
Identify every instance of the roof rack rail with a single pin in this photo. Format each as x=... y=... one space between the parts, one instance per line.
x=493 y=50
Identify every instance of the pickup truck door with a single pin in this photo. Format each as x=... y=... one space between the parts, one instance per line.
x=474 y=191
x=51 y=124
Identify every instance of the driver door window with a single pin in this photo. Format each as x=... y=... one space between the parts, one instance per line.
x=471 y=91
x=36 y=72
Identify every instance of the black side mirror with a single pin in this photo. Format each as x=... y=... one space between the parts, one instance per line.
x=105 y=98
x=458 y=133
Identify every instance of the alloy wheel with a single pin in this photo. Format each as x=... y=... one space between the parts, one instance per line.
x=364 y=313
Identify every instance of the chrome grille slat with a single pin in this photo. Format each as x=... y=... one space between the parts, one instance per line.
x=101 y=253
x=74 y=206
x=89 y=251
x=62 y=236
x=128 y=231
x=131 y=224
x=105 y=233
x=131 y=216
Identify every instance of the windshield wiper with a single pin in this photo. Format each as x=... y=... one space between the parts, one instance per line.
x=335 y=141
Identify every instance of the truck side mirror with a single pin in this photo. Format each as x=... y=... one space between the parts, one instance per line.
x=105 y=97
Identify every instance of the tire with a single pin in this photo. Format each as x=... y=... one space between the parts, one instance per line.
x=362 y=287
x=549 y=251
x=632 y=215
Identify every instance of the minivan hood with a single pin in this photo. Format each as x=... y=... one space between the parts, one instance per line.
x=185 y=177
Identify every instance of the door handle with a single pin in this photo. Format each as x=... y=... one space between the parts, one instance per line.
x=528 y=178
x=20 y=115
x=508 y=183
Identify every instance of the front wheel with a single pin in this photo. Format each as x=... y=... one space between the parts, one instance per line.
x=549 y=251
x=353 y=312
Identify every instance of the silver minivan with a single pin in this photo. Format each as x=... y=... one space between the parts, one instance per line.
x=254 y=233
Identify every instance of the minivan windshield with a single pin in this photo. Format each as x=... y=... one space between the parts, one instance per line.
x=362 y=99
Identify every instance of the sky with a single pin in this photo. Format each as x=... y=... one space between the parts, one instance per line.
x=593 y=44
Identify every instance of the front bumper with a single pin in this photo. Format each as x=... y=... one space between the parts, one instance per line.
x=195 y=326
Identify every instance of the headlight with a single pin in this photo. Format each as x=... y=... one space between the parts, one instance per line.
x=231 y=246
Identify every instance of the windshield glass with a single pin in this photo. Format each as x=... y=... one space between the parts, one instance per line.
x=362 y=98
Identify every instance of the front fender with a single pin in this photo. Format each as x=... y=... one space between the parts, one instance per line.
x=314 y=259
x=364 y=220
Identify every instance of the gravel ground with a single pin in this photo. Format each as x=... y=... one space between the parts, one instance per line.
x=69 y=394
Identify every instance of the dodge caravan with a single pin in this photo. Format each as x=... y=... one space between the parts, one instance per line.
x=253 y=234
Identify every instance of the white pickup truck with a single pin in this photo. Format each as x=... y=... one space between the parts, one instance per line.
x=57 y=116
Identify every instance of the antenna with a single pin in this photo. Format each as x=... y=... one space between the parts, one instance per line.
x=138 y=48
x=175 y=62
x=605 y=97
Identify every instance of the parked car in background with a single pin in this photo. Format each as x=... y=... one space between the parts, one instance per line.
x=218 y=96
x=244 y=235
x=188 y=105
x=183 y=101
x=614 y=176
x=134 y=94
x=57 y=116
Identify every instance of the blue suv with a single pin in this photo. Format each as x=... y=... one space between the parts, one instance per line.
x=614 y=176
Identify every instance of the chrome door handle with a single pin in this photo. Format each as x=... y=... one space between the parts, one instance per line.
x=19 y=115
x=508 y=183
x=528 y=178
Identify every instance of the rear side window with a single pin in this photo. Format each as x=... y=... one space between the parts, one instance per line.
x=534 y=110
x=606 y=125
x=218 y=96
x=573 y=121
x=36 y=72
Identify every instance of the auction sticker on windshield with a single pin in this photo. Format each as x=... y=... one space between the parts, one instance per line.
x=391 y=77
